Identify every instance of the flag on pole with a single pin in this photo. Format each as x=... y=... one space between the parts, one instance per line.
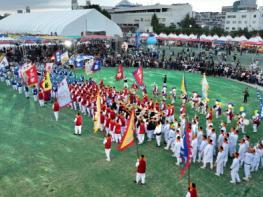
x=97 y=124
x=64 y=97
x=3 y=62
x=205 y=87
x=120 y=74
x=186 y=150
x=46 y=83
x=96 y=66
x=128 y=137
x=64 y=58
x=183 y=86
x=58 y=57
x=30 y=75
x=260 y=99
x=138 y=75
x=49 y=67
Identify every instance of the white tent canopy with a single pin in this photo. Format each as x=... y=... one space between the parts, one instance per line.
x=64 y=23
x=255 y=39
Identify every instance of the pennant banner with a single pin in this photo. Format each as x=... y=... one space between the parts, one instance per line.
x=97 y=124
x=205 y=87
x=63 y=94
x=138 y=75
x=46 y=83
x=183 y=86
x=119 y=74
x=3 y=62
x=30 y=74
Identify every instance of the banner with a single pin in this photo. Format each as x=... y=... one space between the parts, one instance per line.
x=119 y=74
x=138 y=75
x=97 y=65
x=64 y=58
x=88 y=65
x=3 y=62
x=183 y=86
x=185 y=152
x=97 y=124
x=49 y=67
x=63 y=94
x=58 y=57
x=205 y=87
x=46 y=83
x=30 y=75
x=128 y=137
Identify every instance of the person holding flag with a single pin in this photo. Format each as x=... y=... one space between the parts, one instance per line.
x=141 y=170
x=120 y=73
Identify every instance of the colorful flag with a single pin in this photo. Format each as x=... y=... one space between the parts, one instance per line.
x=3 y=62
x=260 y=99
x=120 y=73
x=88 y=65
x=186 y=149
x=64 y=97
x=97 y=124
x=30 y=75
x=49 y=67
x=128 y=137
x=46 y=83
x=58 y=57
x=183 y=86
x=138 y=75
x=205 y=87
x=64 y=58
x=96 y=66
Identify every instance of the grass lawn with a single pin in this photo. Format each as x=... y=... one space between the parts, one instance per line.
x=41 y=157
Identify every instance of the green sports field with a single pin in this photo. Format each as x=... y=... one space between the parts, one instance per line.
x=41 y=157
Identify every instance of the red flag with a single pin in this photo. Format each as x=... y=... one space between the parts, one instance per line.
x=31 y=75
x=128 y=137
x=120 y=74
x=138 y=75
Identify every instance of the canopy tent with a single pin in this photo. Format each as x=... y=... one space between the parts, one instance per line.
x=61 y=23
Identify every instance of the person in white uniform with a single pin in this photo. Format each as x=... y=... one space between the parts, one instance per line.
x=208 y=154
x=234 y=169
x=220 y=161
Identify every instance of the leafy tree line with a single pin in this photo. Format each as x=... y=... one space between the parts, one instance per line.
x=99 y=9
x=188 y=26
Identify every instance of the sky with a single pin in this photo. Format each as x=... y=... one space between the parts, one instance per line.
x=42 y=5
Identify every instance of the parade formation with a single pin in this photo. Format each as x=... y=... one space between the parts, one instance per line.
x=124 y=117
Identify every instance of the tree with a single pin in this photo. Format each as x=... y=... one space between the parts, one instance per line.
x=99 y=9
x=188 y=22
x=155 y=23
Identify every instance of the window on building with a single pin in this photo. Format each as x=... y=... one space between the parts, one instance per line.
x=234 y=22
x=245 y=22
x=244 y=16
x=227 y=22
x=233 y=28
x=255 y=16
x=239 y=22
x=231 y=16
x=227 y=28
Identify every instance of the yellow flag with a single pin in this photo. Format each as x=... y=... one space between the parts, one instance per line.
x=46 y=82
x=128 y=137
x=97 y=124
x=183 y=86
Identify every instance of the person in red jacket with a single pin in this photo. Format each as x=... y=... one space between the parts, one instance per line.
x=117 y=131
x=141 y=133
x=193 y=190
x=78 y=124
x=41 y=99
x=56 y=109
x=107 y=144
x=141 y=170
